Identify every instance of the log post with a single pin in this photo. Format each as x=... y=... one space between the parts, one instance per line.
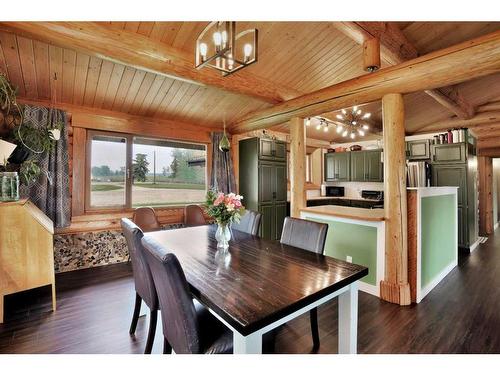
x=371 y=55
x=395 y=288
x=297 y=166
x=485 y=172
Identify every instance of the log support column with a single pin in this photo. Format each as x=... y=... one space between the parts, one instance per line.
x=395 y=288
x=297 y=166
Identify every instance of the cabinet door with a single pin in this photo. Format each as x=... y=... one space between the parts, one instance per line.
x=279 y=182
x=279 y=218
x=374 y=170
x=279 y=151
x=329 y=167
x=462 y=228
x=357 y=166
x=452 y=175
x=449 y=153
x=266 y=149
x=267 y=221
x=417 y=150
x=266 y=183
x=343 y=166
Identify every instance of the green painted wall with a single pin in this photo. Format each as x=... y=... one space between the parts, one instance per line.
x=357 y=241
x=438 y=216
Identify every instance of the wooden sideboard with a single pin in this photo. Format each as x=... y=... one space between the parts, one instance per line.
x=26 y=250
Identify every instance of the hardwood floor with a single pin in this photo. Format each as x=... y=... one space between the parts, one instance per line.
x=461 y=315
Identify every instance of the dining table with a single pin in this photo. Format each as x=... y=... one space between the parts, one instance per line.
x=258 y=284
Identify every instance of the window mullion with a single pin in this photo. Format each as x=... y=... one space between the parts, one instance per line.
x=129 y=174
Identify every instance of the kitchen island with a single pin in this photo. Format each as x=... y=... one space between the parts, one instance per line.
x=355 y=235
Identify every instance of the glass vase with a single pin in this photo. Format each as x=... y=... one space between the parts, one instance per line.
x=222 y=236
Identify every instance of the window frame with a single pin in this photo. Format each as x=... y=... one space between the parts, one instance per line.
x=128 y=168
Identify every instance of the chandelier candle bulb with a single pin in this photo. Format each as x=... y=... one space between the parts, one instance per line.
x=203 y=50
x=308 y=122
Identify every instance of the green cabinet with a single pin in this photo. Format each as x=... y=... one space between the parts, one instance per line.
x=271 y=149
x=262 y=182
x=449 y=153
x=337 y=166
x=454 y=164
x=418 y=149
x=367 y=166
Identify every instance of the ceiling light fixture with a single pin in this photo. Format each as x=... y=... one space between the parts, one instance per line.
x=219 y=47
x=353 y=122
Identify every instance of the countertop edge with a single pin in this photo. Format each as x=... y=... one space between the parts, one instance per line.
x=314 y=210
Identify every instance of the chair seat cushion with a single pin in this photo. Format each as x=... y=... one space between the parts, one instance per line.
x=216 y=337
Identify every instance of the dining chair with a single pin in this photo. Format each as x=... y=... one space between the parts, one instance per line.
x=188 y=327
x=145 y=218
x=249 y=222
x=143 y=280
x=193 y=216
x=310 y=236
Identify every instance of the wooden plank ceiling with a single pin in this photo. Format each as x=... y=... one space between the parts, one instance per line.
x=303 y=56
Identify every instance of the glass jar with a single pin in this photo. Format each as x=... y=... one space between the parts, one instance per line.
x=9 y=186
x=222 y=236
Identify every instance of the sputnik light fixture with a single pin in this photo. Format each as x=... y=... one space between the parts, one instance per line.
x=219 y=47
x=350 y=123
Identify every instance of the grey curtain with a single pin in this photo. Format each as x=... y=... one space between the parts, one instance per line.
x=51 y=191
x=222 y=178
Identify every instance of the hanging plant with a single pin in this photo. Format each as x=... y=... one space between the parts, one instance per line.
x=29 y=171
x=37 y=140
x=7 y=95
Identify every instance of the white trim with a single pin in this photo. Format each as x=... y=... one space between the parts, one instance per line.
x=380 y=263
x=348 y=295
x=424 y=291
x=474 y=245
x=496 y=225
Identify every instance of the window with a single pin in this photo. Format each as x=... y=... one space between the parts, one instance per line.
x=126 y=171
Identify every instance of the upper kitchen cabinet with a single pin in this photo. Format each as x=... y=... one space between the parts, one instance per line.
x=449 y=153
x=418 y=149
x=271 y=149
x=367 y=166
x=337 y=166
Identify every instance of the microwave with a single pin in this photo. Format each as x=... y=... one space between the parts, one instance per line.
x=334 y=191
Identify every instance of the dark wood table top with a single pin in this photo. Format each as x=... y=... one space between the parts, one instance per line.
x=259 y=281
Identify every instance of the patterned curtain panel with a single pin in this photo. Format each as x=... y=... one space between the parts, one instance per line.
x=222 y=178
x=51 y=191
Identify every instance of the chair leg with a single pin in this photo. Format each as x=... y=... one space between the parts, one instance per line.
x=153 y=316
x=314 y=327
x=167 y=349
x=137 y=311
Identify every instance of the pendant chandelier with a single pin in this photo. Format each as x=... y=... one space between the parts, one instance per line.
x=350 y=123
x=219 y=47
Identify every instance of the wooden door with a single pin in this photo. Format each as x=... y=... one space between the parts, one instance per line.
x=267 y=221
x=343 y=166
x=418 y=150
x=279 y=218
x=329 y=167
x=266 y=183
x=374 y=170
x=279 y=179
x=449 y=153
x=266 y=149
x=357 y=166
x=279 y=151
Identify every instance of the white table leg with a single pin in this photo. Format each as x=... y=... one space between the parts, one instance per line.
x=348 y=320
x=251 y=344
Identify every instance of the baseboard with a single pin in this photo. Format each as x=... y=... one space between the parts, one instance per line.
x=435 y=281
x=368 y=288
x=474 y=245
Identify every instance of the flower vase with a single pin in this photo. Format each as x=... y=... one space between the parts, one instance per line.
x=222 y=236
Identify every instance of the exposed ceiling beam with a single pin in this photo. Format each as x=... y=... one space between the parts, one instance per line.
x=462 y=62
x=395 y=48
x=492 y=106
x=101 y=119
x=491 y=152
x=479 y=119
x=491 y=142
x=140 y=52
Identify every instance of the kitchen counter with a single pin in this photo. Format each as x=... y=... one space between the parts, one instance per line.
x=343 y=197
x=354 y=213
